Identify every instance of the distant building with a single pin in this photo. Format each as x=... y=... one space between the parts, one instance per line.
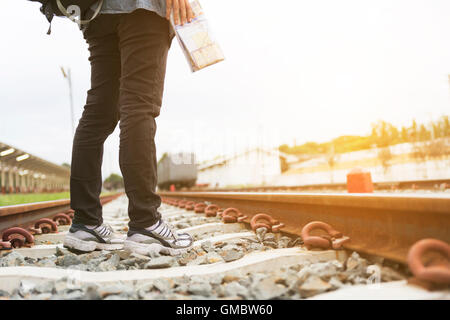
x=255 y=167
x=403 y=162
x=24 y=172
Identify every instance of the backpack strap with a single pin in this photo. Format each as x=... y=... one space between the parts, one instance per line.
x=80 y=22
x=48 y=12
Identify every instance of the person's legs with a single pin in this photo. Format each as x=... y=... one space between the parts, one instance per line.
x=99 y=119
x=144 y=41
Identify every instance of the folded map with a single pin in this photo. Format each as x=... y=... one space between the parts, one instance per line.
x=196 y=40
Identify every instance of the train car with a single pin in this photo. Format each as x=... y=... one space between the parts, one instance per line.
x=178 y=169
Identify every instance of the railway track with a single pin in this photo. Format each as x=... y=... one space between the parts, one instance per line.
x=380 y=225
x=27 y=215
x=439 y=185
x=238 y=257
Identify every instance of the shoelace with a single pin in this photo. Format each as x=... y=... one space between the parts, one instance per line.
x=177 y=238
x=168 y=230
x=104 y=230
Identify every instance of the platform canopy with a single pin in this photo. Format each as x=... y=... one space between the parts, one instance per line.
x=22 y=170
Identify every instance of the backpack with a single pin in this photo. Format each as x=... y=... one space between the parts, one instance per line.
x=70 y=9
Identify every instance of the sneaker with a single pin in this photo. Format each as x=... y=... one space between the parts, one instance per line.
x=82 y=238
x=161 y=239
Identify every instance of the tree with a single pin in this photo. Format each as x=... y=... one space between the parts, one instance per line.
x=413 y=132
x=385 y=156
x=436 y=130
x=394 y=135
x=113 y=182
x=424 y=134
x=404 y=135
x=382 y=135
x=446 y=126
x=284 y=148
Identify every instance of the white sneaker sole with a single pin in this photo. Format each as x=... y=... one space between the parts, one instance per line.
x=153 y=248
x=88 y=246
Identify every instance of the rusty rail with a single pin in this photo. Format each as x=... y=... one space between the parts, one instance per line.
x=381 y=225
x=428 y=184
x=23 y=215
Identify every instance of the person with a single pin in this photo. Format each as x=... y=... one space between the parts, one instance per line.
x=128 y=44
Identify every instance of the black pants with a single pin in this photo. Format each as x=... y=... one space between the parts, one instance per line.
x=128 y=54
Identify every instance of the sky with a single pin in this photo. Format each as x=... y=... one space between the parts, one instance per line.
x=295 y=70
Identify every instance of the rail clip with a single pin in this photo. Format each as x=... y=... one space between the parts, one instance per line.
x=437 y=273
x=171 y=202
x=18 y=237
x=263 y=220
x=62 y=219
x=46 y=225
x=232 y=215
x=200 y=207
x=189 y=205
x=182 y=203
x=334 y=239
x=211 y=210
x=70 y=213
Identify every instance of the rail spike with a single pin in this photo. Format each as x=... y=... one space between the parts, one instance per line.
x=46 y=225
x=232 y=215
x=440 y=273
x=334 y=239
x=263 y=220
x=18 y=237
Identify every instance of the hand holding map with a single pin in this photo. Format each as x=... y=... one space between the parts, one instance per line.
x=196 y=41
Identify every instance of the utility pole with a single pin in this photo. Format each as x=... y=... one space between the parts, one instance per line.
x=68 y=76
